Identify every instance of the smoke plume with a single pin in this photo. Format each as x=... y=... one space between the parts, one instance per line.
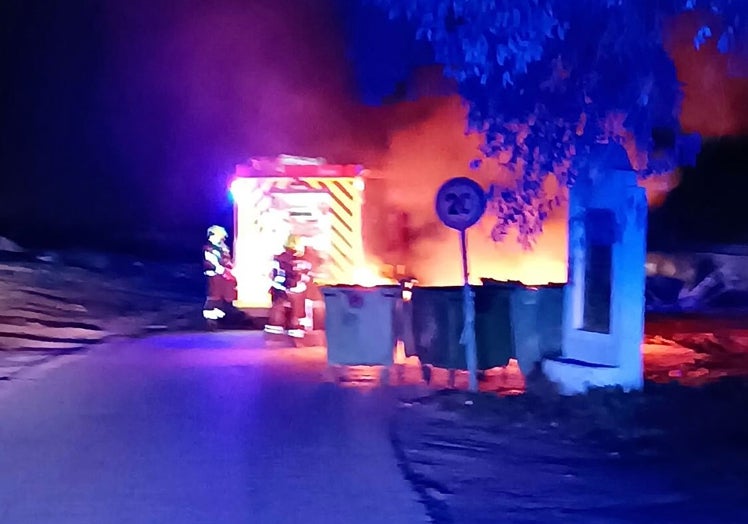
x=220 y=81
x=426 y=153
x=715 y=100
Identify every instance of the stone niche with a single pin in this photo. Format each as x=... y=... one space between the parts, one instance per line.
x=603 y=319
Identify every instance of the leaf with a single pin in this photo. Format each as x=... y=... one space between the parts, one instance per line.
x=501 y=54
x=701 y=36
x=506 y=79
x=723 y=44
x=602 y=74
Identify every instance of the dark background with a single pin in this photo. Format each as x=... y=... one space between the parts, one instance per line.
x=121 y=120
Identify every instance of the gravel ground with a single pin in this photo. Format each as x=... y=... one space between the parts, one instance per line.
x=83 y=298
x=667 y=454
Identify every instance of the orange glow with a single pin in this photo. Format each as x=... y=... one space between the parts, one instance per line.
x=713 y=102
x=401 y=359
x=407 y=293
x=369 y=275
x=500 y=261
x=658 y=187
x=424 y=154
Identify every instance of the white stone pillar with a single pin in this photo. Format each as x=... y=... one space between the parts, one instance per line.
x=603 y=321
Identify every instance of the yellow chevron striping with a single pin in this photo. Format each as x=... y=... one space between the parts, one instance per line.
x=347 y=250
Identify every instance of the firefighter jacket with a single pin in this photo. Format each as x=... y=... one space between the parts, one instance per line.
x=216 y=260
x=286 y=275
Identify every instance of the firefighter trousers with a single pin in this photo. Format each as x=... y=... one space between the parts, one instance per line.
x=221 y=293
x=286 y=310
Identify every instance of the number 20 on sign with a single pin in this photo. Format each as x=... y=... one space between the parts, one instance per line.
x=460 y=203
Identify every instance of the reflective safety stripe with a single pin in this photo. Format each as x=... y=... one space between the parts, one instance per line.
x=346 y=250
x=274 y=329
x=212 y=258
x=296 y=333
x=213 y=314
x=216 y=261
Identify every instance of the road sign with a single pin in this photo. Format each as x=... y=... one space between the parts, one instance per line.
x=460 y=203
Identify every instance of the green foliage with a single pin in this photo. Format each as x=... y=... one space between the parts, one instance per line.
x=545 y=79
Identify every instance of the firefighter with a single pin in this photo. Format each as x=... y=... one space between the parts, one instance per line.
x=217 y=266
x=287 y=291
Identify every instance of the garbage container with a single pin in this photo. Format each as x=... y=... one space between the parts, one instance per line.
x=536 y=318
x=359 y=324
x=438 y=321
x=551 y=319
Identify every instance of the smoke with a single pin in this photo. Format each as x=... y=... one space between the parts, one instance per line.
x=714 y=93
x=233 y=82
x=198 y=86
x=424 y=154
x=222 y=81
x=714 y=101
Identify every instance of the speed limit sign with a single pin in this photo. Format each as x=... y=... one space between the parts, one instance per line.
x=460 y=203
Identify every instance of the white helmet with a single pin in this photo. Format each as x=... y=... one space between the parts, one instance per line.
x=217 y=231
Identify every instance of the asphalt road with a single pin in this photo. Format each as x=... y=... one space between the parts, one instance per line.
x=206 y=428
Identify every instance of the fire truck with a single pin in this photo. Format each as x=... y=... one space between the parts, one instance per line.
x=335 y=210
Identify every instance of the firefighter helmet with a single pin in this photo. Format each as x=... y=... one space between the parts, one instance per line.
x=292 y=243
x=217 y=231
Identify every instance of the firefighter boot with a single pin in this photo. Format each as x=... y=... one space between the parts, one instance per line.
x=294 y=314
x=276 y=316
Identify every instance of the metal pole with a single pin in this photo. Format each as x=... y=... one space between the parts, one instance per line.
x=468 y=331
x=463 y=250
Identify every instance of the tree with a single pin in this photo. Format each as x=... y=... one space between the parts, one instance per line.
x=545 y=79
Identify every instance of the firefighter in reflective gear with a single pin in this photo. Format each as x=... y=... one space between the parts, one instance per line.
x=217 y=266
x=287 y=291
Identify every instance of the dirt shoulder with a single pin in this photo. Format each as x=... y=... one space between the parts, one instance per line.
x=667 y=454
x=62 y=302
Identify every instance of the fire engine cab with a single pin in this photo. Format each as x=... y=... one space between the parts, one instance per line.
x=319 y=203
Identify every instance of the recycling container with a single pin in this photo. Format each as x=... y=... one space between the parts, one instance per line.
x=438 y=321
x=359 y=324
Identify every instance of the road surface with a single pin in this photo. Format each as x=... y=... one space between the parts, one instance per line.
x=202 y=428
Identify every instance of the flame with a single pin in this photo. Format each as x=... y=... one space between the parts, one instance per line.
x=428 y=149
x=370 y=275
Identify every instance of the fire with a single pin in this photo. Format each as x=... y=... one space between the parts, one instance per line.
x=438 y=261
x=369 y=275
x=422 y=155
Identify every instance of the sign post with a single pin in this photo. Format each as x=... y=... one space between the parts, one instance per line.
x=460 y=204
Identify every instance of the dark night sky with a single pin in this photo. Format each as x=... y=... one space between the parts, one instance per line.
x=124 y=117
x=127 y=115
